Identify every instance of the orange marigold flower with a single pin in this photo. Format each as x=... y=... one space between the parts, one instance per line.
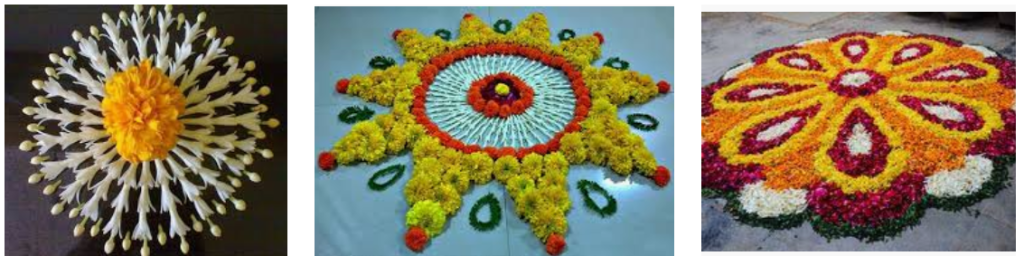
x=141 y=112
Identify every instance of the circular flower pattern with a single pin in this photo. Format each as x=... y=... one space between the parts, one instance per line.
x=144 y=129
x=501 y=94
x=499 y=98
x=857 y=129
x=504 y=105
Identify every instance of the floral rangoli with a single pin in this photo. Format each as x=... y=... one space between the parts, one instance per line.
x=859 y=133
x=142 y=121
x=503 y=104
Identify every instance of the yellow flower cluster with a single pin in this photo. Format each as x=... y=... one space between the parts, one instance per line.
x=365 y=143
x=538 y=184
x=505 y=168
x=554 y=162
x=473 y=31
x=572 y=146
x=619 y=86
x=531 y=166
x=517 y=185
x=580 y=51
x=540 y=192
x=427 y=215
x=457 y=177
x=531 y=32
x=609 y=142
x=425 y=176
x=141 y=112
x=432 y=180
x=426 y=147
x=544 y=208
x=382 y=86
x=369 y=140
x=419 y=48
x=479 y=165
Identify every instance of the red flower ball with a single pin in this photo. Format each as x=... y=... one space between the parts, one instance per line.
x=394 y=35
x=467 y=16
x=555 y=244
x=600 y=37
x=663 y=87
x=416 y=239
x=327 y=162
x=662 y=176
x=341 y=86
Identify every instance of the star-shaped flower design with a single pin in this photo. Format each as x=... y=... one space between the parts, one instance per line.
x=500 y=103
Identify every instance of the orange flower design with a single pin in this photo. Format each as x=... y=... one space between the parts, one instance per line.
x=858 y=110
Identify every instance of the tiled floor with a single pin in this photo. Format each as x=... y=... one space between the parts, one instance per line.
x=728 y=39
x=353 y=220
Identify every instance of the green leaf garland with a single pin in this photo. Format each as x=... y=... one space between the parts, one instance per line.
x=634 y=120
x=381 y=62
x=616 y=63
x=585 y=187
x=566 y=34
x=503 y=26
x=444 y=34
x=495 y=209
x=353 y=114
x=397 y=170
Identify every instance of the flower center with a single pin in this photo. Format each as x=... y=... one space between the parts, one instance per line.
x=501 y=89
x=140 y=112
x=857 y=82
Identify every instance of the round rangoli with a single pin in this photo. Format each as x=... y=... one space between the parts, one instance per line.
x=148 y=119
x=859 y=133
x=498 y=103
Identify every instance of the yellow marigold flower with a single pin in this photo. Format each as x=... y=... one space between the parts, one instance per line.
x=427 y=215
x=557 y=197
x=620 y=161
x=519 y=184
x=479 y=166
x=429 y=166
x=426 y=147
x=599 y=148
x=449 y=198
x=548 y=220
x=531 y=166
x=574 y=149
x=458 y=178
x=141 y=112
x=528 y=202
x=644 y=162
x=556 y=163
x=505 y=167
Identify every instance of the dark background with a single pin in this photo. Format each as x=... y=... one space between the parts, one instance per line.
x=32 y=32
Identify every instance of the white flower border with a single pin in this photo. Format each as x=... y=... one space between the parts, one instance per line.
x=766 y=202
x=967 y=180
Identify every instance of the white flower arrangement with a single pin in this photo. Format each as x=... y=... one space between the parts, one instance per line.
x=960 y=182
x=766 y=203
x=147 y=122
x=446 y=103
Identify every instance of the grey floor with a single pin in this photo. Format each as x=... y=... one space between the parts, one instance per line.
x=726 y=41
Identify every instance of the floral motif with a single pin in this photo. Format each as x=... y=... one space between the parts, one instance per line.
x=500 y=105
x=150 y=120
x=858 y=123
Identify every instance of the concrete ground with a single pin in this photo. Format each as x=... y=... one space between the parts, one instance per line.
x=728 y=39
